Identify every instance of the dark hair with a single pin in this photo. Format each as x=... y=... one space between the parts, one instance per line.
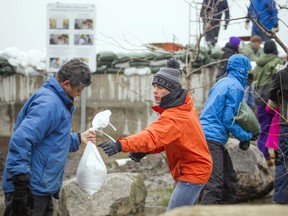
x=270 y=47
x=77 y=72
x=256 y=38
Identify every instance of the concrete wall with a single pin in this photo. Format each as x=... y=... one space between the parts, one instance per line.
x=128 y=98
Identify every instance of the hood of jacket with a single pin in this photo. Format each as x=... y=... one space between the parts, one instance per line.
x=239 y=66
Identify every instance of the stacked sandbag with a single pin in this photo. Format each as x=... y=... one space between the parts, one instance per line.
x=5 y=68
x=201 y=56
x=133 y=63
x=104 y=61
x=151 y=62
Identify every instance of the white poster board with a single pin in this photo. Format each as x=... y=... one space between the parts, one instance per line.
x=71 y=34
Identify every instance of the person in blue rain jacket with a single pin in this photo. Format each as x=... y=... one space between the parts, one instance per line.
x=41 y=141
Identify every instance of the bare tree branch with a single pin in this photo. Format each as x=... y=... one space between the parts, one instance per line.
x=269 y=33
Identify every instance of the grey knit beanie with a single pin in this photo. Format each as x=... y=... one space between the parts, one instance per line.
x=167 y=78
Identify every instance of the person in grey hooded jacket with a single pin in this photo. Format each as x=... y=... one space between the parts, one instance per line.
x=217 y=120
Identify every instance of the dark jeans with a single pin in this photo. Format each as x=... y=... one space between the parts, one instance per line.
x=43 y=205
x=222 y=185
x=281 y=168
x=211 y=36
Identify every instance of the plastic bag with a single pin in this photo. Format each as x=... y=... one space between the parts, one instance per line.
x=101 y=120
x=91 y=171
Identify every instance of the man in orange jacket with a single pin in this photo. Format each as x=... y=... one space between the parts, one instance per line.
x=178 y=132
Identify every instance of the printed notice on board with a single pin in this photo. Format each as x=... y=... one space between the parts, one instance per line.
x=71 y=34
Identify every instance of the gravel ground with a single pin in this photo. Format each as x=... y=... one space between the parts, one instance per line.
x=153 y=168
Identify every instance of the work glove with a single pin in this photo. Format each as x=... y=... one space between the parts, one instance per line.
x=247 y=26
x=255 y=136
x=111 y=148
x=244 y=145
x=137 y=156
x=22 y=200
x=275 y=28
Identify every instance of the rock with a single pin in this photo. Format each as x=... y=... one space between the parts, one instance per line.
x=228 y=210
x=122 y=194
x=154 y=170
x=254 y=179
x=2 y=202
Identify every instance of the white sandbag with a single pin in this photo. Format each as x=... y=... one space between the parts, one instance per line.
x=91 y=171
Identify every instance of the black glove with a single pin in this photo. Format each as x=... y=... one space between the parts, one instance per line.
x=137 y=156
x=111 y=148
x=255 y=136
x=244 y=145
x=22 y=200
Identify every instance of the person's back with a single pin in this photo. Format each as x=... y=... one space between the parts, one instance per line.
x=217 y=120
x=216 y=110
x=264 y=72
x=279 y=92
x=279 y=96
x=263 y=75
x=266 y=13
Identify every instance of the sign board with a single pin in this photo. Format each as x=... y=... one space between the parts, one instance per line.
x=71 y=34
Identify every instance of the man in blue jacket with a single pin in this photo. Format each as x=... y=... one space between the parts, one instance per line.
x=217 y=120
x=266 y=12
x=41 y=141
x=211 y=13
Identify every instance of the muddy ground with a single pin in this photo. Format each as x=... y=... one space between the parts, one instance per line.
x=153 y=168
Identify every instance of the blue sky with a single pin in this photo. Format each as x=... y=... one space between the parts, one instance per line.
x=121 y=25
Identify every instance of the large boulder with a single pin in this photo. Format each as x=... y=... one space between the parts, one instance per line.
x=228 y=210
x=122 y=194
x=254 y=178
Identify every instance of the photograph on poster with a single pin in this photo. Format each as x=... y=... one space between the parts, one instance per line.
x=59 y=23
x=55 y=63
x=83 y=39
x=83 y=24
x=59 y=39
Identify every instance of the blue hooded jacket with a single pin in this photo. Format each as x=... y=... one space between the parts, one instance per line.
x=41 y=140
x=217 y=116
x=265 y=11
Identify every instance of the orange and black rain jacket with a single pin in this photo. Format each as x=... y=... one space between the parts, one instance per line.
x=178 y=132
